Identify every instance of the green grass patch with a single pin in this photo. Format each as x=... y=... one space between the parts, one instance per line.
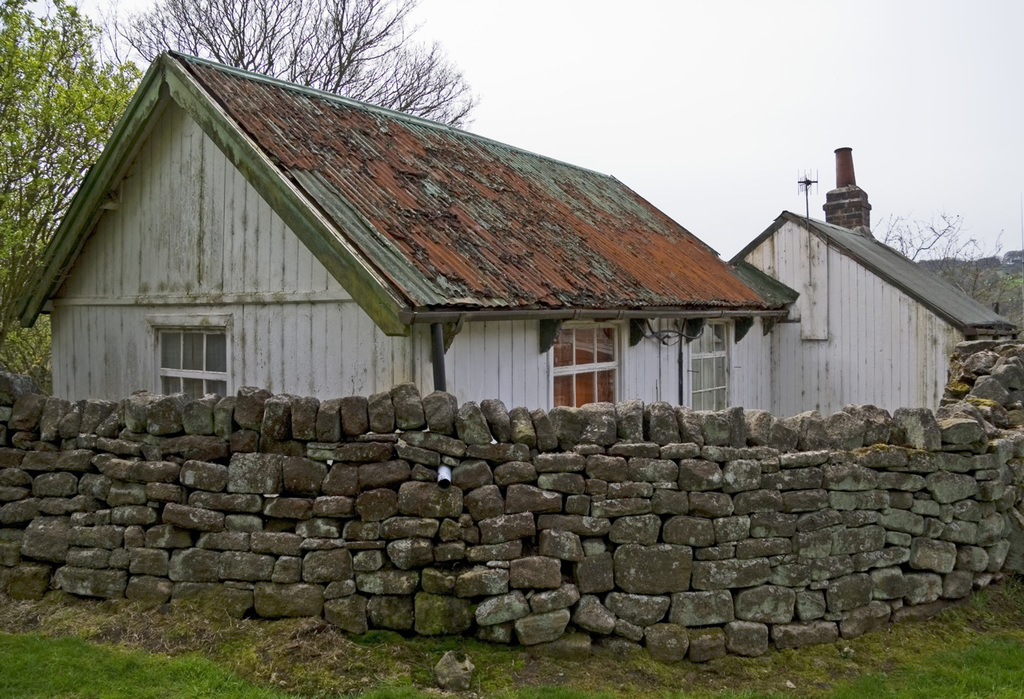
x=36 y=666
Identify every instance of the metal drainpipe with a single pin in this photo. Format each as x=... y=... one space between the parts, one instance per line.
x=437 y=355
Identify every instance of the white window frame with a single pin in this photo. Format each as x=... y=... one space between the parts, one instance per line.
x=702 y=354
x=205 y=324
x=572 y=370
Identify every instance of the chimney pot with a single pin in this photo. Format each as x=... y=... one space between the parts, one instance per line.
x=845 y=176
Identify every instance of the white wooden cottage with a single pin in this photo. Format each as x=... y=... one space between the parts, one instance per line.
x=239 y=230
x=868 y=325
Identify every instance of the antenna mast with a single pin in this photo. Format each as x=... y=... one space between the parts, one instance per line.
x=804 y=183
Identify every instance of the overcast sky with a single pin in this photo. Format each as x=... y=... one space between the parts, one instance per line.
x=710 y=109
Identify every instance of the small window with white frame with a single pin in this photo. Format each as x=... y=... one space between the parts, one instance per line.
x=585 y=368
x=709 y=360
x=192 y=358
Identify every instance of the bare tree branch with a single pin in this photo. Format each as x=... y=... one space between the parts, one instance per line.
x=363 y=49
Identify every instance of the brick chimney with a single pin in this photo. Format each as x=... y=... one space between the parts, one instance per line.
x=847 y=205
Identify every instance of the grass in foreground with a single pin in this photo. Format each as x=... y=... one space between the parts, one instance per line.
x=976 y=650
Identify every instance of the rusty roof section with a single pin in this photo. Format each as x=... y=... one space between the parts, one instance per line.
x=453 y=220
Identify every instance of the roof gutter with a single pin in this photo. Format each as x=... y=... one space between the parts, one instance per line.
x=411 y=317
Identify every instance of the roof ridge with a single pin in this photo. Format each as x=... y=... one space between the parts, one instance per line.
x=372 y=108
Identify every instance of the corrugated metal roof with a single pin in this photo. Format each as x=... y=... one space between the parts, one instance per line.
x=942 y=298
x=454 y=220
x=771 y=290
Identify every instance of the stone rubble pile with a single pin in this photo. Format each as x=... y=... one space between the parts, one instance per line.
x=692 y=533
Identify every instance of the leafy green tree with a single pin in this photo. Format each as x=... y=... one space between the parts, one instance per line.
x=59 y=103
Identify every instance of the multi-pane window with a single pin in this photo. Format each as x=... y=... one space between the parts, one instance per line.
x=585 y=365
x=710 y=368
x=193 y=362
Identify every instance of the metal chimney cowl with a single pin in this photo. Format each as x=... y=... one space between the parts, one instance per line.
x=847 y=205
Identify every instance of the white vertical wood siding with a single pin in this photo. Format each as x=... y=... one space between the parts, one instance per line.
x=882 y=347
x=190 y=237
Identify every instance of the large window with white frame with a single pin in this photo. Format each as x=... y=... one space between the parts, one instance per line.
x=585 y=368
x=709 y=368
x=192 y=353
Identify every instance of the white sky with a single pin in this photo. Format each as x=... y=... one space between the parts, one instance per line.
x=710 y=108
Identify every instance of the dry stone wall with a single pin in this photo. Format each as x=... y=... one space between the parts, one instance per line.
x=693 y=533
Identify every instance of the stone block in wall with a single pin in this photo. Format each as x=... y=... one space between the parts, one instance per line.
x=327 y=427
x=752 y=501
x=227 y=502
x=527 y=498
x=515 y=472
x=559 y=544
x=249 y=407
x=486 y=502
x=960 y=532
x=653 y=570
x=643 y=469
x=918 y=428
x=166 y=536
x=38 y=460
x=197 y=416
x=860 y=621
x=845 y=430
x=804 y=634
x=705 y=644
x=482 y=582
x=848 y=476
x=946 y=487
x=746 y=638
x=667 y=643
x=600 y=466
x=148 y=590
x=689 y=531
x=55 y=485
x=810 y=605
x=27 y=581
x=859 y=540
x=595 y=573
x=421 y=499
x=495 y=530
x=203 y=475
x=702 y=608
x=535 y=572
x=47 y=539
x=255 y=473
x=144 y=561
x=599 y=424
x=272 y=600
x=636 y=529
x=590 y=615
x=522 y=428
x=732 y=528
x=661 y=425
x=620 y=507
x=670 y=502
x=815 y=500
x=342 y=479
x=54 y=409
x=720 y=552
x=889 y=556
x=848 y=592
x=629 y=421
x=194 y=565
x=710 y=504
x=720 y=575
x=567 y=483
x=26 y=413
x=193 y=518
x=377 y=505
x=411 y=553
x=923 y=588
x=347 y=613
x=762 y=547
x=541 y=628
x=502 y=608
x=86 y=582
x=957 y=585
x=440 y=614
x=961 y=431
x=165 y=492
x=552 y=600
x=767 y=604
x=772 y=524
x=887 y=583
x=997 y=553
x=810 y=430
x=88 y=558
x=928 y=554
x=293 y=508
x=244 y=565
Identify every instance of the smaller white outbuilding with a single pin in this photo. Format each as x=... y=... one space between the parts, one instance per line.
x=868 y=325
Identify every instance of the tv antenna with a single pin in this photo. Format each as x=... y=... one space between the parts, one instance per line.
x=805 y=181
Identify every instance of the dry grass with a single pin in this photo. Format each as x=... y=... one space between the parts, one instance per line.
x=309 y=657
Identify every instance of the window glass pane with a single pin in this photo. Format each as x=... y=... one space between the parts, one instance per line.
x=719 y=371
x=169 y=385
x=719 y=333
x=585 y=392
x=720 y=399
x=563 y=348
x=218 y=387
x=584 y=346
x=216 y=353
x=606 y=386
x=170 y=350
x=605 y=345
x=193 y=387
x=192 y=351
x=563 y=391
